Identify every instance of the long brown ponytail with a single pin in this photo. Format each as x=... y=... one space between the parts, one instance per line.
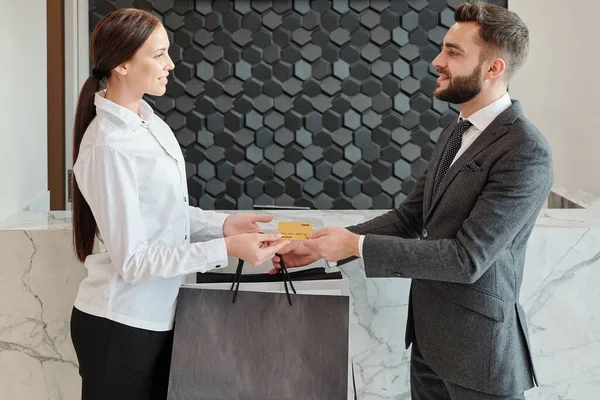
x=115 y=40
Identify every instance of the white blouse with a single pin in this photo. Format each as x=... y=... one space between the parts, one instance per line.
x=131 y=171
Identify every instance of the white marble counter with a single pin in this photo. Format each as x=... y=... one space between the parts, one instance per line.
x=40 y=276
x=579 y=198
x=587 y=217
x=50 y=221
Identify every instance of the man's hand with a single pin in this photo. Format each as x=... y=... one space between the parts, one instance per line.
x=294 y=255
x=334 y=243
x=237 y=224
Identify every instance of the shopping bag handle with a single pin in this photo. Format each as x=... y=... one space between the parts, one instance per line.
x=283 y=270
x=315 y=273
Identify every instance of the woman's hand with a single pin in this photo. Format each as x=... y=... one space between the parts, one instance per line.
x=255 y=248
x=236 y=224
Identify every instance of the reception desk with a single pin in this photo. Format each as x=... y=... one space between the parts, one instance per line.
x=560 y=295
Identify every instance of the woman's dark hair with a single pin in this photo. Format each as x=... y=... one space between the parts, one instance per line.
x=115 y=40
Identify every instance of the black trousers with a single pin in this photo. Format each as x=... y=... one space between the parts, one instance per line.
x=425 y=384
x=117 y=361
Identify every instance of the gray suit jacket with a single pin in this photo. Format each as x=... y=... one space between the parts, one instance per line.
x=465 y=251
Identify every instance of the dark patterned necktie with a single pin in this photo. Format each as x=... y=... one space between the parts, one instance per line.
x=450 y=151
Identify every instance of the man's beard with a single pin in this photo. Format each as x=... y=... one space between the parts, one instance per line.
x=462 y=88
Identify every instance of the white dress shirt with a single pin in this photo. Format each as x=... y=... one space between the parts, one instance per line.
x=131 y=172
x=480 y=120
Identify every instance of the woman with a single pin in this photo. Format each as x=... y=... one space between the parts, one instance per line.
x=129 y=191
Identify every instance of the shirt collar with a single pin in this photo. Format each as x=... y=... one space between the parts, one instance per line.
x=484 y=117
x=125 y=114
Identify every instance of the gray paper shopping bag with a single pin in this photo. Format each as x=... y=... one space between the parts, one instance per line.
x=261 y=347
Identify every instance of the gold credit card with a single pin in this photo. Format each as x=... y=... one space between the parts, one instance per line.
x=294 y=230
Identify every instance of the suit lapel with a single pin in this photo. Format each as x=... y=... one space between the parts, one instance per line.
x=493 y=132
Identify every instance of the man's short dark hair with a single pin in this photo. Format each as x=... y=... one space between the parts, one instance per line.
x=501 y=31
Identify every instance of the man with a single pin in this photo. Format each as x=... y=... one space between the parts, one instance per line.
x=462 y=232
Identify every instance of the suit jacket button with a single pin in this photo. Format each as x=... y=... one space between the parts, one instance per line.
x=424 y=233
x=398 y=274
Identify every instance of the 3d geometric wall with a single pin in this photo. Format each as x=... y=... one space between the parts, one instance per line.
x=326 y=104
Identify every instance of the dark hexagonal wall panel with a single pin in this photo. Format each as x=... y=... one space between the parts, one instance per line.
x=326 y=104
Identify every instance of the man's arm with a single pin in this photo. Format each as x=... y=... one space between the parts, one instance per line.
x=403 y=222
x=517 y=187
